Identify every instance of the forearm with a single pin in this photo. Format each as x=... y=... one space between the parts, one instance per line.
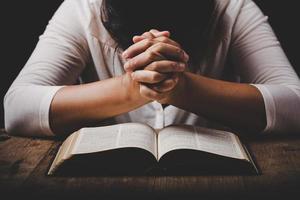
x=77 y=106
x=239 y=106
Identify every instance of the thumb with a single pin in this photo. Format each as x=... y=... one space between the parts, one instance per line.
x=153 y=33
x=145 y=35
x=157 y=33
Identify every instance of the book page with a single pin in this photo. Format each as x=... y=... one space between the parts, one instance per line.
x=116 y=136
x=198 y=138
x=64 y=152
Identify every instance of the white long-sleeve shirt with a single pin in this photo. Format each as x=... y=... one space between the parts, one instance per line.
x=75 y=43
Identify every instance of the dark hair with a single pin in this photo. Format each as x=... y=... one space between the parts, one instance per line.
x=186 y=20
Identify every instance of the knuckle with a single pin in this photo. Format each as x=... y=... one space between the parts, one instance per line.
x=155 y=65
x=157 y=46
x=146 y=34
x=151 y=54
x=128 y=64
x=160 y=45
x=148 y=42
x=179 y=51
x=156 y=77
x=174 y=66
x=164 y=39
x=132 y=63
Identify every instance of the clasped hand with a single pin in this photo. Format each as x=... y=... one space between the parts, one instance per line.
x=156 y=62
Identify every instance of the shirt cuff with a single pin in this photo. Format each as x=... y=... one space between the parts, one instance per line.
x=269 y=107
x=44 y=110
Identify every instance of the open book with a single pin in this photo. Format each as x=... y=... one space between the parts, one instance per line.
x=137 y=148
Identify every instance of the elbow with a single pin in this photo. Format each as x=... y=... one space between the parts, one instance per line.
x=11 y=126
x=282 y=106
x=12 y=121
x=286 y=119
x=18 y=119
x=26 y=110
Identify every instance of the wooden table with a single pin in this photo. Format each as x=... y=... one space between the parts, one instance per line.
x=25 y=161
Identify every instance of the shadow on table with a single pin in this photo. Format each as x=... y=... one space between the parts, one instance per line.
x=135 y=162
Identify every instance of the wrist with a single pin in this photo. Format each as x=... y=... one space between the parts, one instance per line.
x=131 y=90
x=178 y=95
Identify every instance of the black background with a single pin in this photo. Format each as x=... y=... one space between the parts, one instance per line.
x=23 y=21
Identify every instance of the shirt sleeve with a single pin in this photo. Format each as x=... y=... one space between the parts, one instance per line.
x=259 y=60
x=59 y=57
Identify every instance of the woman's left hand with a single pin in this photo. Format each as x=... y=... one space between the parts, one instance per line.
x=156 y=62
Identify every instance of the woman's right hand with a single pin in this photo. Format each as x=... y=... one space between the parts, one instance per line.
x=155 y=61
x=132 y=88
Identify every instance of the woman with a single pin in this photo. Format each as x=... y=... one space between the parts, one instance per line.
x=156 y=63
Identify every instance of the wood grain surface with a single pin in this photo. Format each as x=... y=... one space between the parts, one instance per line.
x=24 y=163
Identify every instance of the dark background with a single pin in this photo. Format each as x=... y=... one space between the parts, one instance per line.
x=23 y=21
